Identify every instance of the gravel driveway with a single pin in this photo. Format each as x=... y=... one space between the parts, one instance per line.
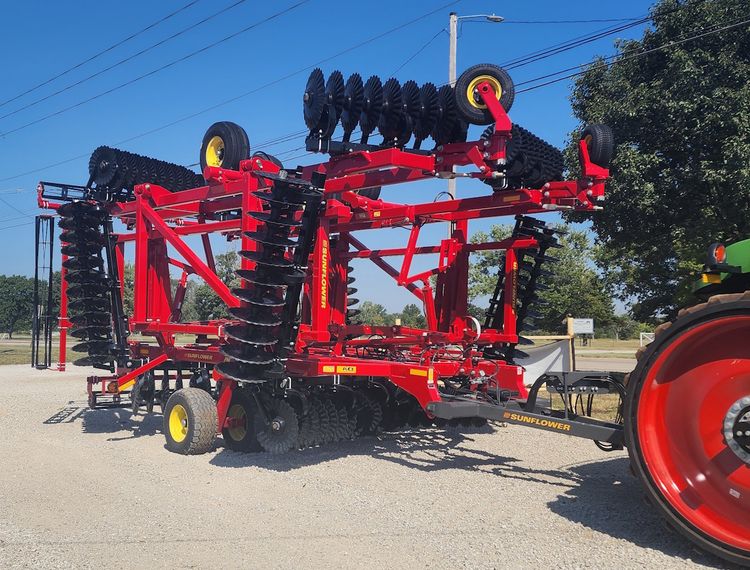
x=99 y=490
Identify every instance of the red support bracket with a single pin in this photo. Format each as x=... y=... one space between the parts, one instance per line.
x=127 y=380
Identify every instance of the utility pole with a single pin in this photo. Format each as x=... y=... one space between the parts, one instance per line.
x=452 y=48
x=452 y=45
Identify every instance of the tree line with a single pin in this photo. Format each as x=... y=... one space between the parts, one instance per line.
x=573 y=287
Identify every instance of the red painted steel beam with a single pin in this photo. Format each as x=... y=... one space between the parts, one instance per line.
x=200 y=267
x=127 y=380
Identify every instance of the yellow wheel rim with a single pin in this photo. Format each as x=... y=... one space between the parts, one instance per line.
x=587 y=139
x=178 y=423
x=238 y=431
x=215 y=151
x=474 y=84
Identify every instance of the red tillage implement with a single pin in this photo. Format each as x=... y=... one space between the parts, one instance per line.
x=293 y=365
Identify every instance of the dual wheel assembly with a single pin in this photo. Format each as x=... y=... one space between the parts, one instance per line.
x=191 y=418
x=687 y=424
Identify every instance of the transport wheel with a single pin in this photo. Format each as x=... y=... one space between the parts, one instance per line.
x=687 y=424
x=281 y=432
x=225 y=144
x=601 y=144
x=470 y=103
x=243 y=411
x=190 y=420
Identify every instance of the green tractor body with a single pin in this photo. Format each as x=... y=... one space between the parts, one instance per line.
x=727 y=270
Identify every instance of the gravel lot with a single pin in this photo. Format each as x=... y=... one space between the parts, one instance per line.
x=101 y=490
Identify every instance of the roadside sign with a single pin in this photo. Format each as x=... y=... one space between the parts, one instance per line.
x=580 y=326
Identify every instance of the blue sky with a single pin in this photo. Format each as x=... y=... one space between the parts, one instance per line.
x=50 y=37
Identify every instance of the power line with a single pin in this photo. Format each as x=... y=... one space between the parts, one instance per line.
x=158 y=69
x=4 y=220
x=13 y=207
x=16 y=226
x=242 y=95
x=586 y=38
x=99 y=54
x=570 y=44
x=420 y=50
x=611 y=60
x=595 y=21
x=124 y=60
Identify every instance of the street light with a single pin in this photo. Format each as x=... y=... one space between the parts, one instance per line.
x=453 y=34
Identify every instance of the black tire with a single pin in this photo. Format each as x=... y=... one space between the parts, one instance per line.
x=601 y=144
x=666 y=335
x=195 y=410
x=233 y=142
x=242 y=438
x=470 y=105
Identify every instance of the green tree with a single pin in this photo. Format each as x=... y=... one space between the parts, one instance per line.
x=207 y=305
x=373 y=314
x=16 y=303
x=54 y=309
x=573 y=288
x=202 y=303
x=128 y=277
x=226 y=267
x=681 y=171
x=412 y=316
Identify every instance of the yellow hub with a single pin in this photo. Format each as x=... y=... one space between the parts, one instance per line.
x=238 y=431
x=215 y=151
x=587 y=139
x=474 y=84
x=178 y=423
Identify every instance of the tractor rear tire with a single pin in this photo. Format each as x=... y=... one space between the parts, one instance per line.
x=224 y=145
x=190 y=420
x=470 y=105
x=691 y=384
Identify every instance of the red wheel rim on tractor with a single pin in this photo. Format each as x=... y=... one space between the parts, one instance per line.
x=683 y=403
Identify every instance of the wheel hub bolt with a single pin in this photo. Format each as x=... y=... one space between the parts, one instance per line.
x=737 y=428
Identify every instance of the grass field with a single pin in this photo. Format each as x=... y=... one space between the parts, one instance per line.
x=607 y=348
x=18 y=350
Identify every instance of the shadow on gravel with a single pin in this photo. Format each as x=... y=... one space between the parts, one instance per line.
x=608 y=499
x=121 y=421
x=425 y=450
